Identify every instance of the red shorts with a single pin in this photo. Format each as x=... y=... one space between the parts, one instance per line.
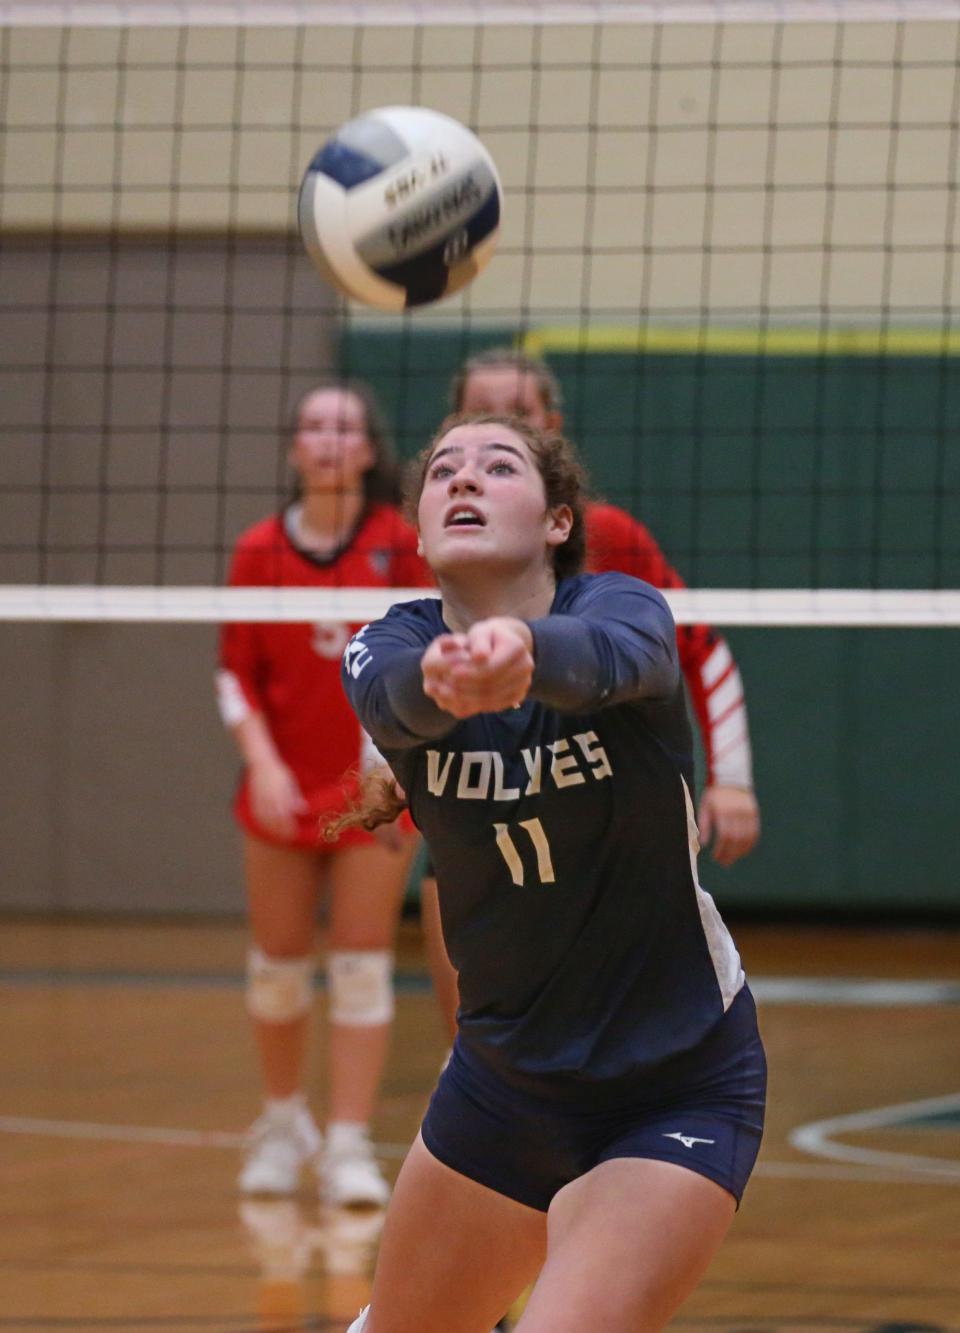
x=325 y=804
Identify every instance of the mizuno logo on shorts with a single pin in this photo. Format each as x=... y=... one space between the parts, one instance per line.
x=687 y=1139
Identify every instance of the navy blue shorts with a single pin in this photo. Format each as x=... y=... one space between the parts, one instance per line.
x=702 y=1110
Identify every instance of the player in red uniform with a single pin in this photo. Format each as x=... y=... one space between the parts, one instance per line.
x=507 y=382
x=280 y=694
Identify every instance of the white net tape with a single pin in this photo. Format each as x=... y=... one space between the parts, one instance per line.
x=836 y=607
x=387 y=13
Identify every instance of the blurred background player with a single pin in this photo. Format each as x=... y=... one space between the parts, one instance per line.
x=504 y=381
x=280 y=695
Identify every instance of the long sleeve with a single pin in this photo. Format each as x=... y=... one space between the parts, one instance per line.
x=615 y=642
x=611 y=640
x=384 y=683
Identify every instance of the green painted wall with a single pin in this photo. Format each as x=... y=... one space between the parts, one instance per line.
x=779 y=471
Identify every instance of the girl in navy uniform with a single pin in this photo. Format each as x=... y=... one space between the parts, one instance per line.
x=506 y=381
x=603 y=1105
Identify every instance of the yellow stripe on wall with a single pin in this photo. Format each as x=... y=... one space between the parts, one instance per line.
x=719 y=341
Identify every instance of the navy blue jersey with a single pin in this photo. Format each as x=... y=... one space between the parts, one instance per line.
x=562 y=835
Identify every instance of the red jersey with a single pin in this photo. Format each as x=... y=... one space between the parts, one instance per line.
x=290 y=673
x=618 y=542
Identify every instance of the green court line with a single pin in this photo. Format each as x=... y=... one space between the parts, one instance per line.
x=716 y=340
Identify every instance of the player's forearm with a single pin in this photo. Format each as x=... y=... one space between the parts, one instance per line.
x=244 y=720
x=392 y=706
x=253 y=740
x=582 y=664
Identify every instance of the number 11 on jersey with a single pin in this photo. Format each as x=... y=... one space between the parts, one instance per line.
x=508 y=850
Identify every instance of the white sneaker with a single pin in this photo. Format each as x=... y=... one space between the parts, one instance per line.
x=349 y=1174
x=275 y=1152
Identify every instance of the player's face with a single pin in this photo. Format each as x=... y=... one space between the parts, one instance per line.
x=483 y=503
x=508 y=392
x=331 y=448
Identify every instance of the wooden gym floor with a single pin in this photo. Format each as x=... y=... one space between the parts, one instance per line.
x=127 y=1077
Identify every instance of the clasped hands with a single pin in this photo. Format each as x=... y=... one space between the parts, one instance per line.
x=484 y=670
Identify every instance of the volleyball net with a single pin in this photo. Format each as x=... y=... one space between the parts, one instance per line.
x=730 y=229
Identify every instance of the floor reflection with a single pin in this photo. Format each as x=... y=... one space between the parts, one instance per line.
x=310 y=1259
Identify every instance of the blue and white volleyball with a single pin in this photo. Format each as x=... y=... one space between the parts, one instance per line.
x=400 y=207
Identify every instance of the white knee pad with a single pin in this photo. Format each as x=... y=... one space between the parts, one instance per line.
x=360 y=986
x=278 y=989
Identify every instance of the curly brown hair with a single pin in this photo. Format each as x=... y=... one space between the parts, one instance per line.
x=563 y=474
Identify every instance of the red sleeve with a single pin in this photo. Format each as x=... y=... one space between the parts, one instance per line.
x=239 y=675
x=618 y=541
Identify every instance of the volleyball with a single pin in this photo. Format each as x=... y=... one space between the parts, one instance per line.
x=400 y=207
